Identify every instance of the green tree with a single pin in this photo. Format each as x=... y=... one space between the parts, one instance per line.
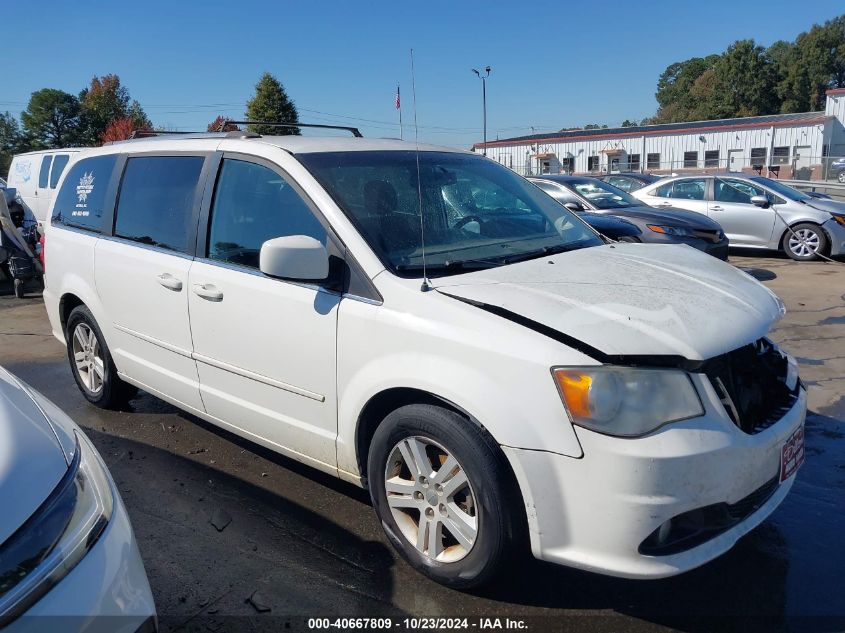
x=140 y=120
x=11 y=141
x=630 y=123
x=674 y=85
x=272 y=104
x=817 y=64
x=744 y=83
x=594 y=126
x=52 y=118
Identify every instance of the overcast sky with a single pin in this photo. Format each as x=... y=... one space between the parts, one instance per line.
x=555 y=64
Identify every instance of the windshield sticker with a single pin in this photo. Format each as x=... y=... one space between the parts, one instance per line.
x=23 y=171
x=83 y=189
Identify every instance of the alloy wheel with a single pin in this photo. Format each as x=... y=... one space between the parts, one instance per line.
x=431 y=499
x=804 y=242
x=88 y=359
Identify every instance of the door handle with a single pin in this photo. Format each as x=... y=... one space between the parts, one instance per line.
x=208 y=291
x=716 y=208
x=169 y=281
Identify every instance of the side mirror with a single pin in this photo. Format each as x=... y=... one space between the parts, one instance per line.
x=760 y=201
x=295 y=257
x=573 y=206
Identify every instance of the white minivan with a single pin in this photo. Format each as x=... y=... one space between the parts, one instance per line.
x=35 y=175
x=427 y=324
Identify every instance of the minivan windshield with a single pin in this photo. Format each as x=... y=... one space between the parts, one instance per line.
x=475 y=212
x=785 y=190
x=601 y=194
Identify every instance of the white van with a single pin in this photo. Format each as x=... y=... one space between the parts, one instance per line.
x=427 y=324
x=35 y=175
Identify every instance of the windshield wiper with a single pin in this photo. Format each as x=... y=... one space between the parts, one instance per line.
x=450 y=266
x=541 y=252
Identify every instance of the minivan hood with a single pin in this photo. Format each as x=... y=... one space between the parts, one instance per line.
x=669 y=216
x=630 y=299
x=31 y=459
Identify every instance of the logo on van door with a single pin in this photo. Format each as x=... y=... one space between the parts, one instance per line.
x=85 y=187
x=23 y=171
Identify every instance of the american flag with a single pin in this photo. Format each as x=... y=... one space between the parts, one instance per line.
x=397 y=97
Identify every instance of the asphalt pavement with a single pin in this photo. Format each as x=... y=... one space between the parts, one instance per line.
x=234 y=537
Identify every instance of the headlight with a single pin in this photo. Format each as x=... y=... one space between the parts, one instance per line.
x=626 y=402
x=671 y=230
x=57 y=536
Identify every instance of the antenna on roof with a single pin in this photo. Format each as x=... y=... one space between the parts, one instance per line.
x=426 y=286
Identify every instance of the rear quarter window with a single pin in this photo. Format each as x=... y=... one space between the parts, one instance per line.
x=82 y=198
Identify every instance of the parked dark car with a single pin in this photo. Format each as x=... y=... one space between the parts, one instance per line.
x=629 y=181
x=837 y=169
x=613 y=227
x=666 y=226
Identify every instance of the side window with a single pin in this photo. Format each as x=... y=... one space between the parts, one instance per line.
x=44 y=174
x=692 y=189
x=59 y=164
x=664 y=191
x=156 y=200
x=253 y=204
x=81 y=200
x=559 y=194
x=620 y=183
x=736 y=191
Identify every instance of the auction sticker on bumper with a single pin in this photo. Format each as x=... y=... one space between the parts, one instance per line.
x=792 y=454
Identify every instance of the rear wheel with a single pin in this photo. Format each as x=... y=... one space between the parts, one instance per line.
x=441 y=488
x=92 y=364
x=841 y=176
x=805 y=242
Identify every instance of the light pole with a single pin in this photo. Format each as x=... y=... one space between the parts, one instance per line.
x=483 y=79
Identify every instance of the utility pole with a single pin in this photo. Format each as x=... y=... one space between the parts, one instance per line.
x=483 y=79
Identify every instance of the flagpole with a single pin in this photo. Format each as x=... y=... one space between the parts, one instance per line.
x=399 y=107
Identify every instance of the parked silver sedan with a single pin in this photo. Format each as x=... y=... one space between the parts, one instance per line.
x=757 y=212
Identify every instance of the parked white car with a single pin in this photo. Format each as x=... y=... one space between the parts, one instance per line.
x=757 y=212
x=35 y=175
x=481 y=361
x=66 y=546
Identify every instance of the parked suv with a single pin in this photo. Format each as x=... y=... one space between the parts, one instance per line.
x=758 y=212
x=489 y=369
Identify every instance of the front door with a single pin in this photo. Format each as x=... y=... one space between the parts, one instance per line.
x=142 y=275
x=735 y=162
x=745 y=224
x=265 y=348
x=802 y=162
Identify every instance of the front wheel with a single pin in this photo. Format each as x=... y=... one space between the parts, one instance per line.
x=92 y=364
x=805 y=242
x=441 y=488
x=841 y=176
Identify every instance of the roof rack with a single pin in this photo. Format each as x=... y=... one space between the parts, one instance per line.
x=151 y=133
x=354 y=130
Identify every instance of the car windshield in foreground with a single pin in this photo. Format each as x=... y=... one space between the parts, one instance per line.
x=602 y=195
x=785 y=190
x=475 y=213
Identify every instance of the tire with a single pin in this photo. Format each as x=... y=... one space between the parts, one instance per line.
x=804 y=242
x=489 y=498
x=841 y=176
x=19 y=289
x=101 y=387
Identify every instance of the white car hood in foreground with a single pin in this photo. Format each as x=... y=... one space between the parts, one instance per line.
x=31 y=459
x=630 y=299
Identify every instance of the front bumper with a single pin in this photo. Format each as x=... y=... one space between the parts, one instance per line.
x=107 y=591
x=595 y=512
x=718 y=249
x=836 y=233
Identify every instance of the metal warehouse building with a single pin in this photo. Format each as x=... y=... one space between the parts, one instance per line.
x=784 y=145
